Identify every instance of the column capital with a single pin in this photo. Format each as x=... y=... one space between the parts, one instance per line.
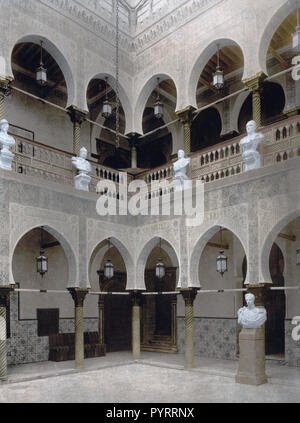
x=189 y=295
x=4 y=294
x=136 y=298
x=133 y=138
x=78 y=295
x=186 y=115
x=5 y=85
x=254 y=82
x=77 y=115
x=260 y=291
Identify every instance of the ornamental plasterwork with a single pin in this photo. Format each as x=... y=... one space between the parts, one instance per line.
x=24 y=218
x=160 y=22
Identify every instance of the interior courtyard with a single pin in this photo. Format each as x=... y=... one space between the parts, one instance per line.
x=135 y=308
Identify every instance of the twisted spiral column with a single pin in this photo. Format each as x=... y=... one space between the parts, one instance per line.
x=5 y=90
x=186 y=118
x=76 y=137
x=255 y=86
x=78 y=296
x=77 y=117
x=189 y=296
x=4 y=299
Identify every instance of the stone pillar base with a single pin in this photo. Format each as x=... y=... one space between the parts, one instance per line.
x=252 y=357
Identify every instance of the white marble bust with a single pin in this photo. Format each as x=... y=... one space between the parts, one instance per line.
x=82 y=180
x=250 y=143
x=6 y=142
x=180 y=170
x=251 y=317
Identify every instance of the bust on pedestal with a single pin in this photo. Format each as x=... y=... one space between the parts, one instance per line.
x=252 y=344
x=6 y=142
x=82 y=180
x=250 y=144
x=180 y=171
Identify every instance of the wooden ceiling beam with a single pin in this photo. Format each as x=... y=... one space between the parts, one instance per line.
x=278 y=57
x=288 y=237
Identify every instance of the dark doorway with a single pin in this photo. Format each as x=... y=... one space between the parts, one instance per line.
x=117 y=316
x=275 y=305
x=206 y=129
x=159 y=313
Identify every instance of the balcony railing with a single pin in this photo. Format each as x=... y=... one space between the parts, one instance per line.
x=282 y=142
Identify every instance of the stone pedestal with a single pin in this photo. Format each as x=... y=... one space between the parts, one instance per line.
x=6 y=158
x=82 y=182
x=252 y=357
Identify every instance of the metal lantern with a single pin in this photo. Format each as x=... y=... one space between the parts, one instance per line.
x=296 y=35
x=42 y=264
x=109 y=270
x=107 y=107
x=298 y=257
x=218 y=79
x=41 y=73
x=109 y=267
x=222 y=263
x=160 y=269
x=158 y=106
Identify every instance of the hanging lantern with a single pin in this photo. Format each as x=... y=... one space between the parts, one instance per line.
x=158 y=106
x=296 y=35
x=109 y=270
x=160 y=269
x=218 y=79
x=298 y=257
x=109 y=267
x=42 y=264
x=222 y=263
x=107 y=107
x=221 y=259
x=41 y=260
x=41 y=73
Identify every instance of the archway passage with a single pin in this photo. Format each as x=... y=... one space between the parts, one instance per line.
x=275 y=305
x=26 y=60
x=159 y=312
x=206 y=129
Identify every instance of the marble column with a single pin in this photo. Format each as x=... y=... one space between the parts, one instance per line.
x=133 y=139
x=174 y=322
x=101 y=320
x=186 y=118
x=255 y=86
x=5 y=91
x=78 y=295
x=189 y=296
x=4 y=301
x=77 y=117
x=136 y=324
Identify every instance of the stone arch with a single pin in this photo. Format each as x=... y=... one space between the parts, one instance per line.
x=143 y=97
x=278 y=17
x=66 y=246
x=200 y=64
x=122 y=249
x=201 y=243
x=60 y=59
x=144 y=254
x=124 y=99
x=269 y=240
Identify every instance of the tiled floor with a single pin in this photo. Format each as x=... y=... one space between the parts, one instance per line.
x=156 y=378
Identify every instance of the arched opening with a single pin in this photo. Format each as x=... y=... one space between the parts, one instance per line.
x=216 y=312
x=272 y=106
x=156 y=149
x=114 y=310
x=206 y=129
x=159 y=312
x=101 y=90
